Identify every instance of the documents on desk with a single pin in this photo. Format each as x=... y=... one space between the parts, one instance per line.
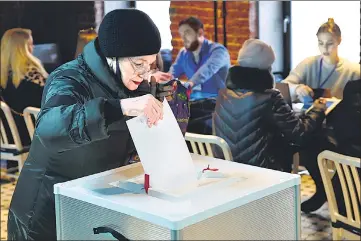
x=331 y=103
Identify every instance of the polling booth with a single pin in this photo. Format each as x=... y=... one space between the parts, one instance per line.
x=174 y=195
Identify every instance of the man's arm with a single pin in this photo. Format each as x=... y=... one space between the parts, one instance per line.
x=218 y=59
x=177 y=67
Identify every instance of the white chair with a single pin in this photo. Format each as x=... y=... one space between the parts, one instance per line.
x=11 y=151
x=29 y=113
x=201 y=144
x=348 y=170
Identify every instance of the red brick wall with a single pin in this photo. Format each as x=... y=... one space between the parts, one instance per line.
x=237 y=22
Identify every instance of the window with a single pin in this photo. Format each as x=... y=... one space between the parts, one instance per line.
x=158 y=11
x=307 y=16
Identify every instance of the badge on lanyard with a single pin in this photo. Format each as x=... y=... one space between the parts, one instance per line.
x=320 y=74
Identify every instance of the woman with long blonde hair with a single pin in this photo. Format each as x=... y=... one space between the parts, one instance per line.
x=22 y=75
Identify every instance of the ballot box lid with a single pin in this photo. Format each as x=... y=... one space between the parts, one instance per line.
x=256 y=183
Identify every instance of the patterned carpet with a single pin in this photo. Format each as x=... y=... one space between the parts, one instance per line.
x=315 y=226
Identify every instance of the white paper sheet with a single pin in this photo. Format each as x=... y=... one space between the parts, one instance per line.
x=163 y=152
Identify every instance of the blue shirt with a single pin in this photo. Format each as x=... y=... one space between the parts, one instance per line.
x=209 y=75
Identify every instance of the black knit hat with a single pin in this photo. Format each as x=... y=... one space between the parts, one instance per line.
x=128 y=33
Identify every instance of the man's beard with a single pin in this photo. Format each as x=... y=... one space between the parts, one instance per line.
x=193 y=46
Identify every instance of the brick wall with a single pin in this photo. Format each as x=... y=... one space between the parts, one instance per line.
x=238 y=22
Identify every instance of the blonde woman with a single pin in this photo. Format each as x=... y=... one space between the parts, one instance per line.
x=22 y=75
x=326 y=71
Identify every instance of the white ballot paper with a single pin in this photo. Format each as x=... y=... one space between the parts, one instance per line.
x=163 y=152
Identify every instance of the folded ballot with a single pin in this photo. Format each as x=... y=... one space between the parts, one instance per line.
x=163 y=152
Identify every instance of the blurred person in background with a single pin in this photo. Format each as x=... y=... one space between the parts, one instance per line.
x=206 y=65
x=22 y=76
x=326 y=71
x=254 y=118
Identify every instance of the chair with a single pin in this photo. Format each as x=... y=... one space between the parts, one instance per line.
x=11 y=150
x=348 y=170
x=30 y=113
x=201 y=144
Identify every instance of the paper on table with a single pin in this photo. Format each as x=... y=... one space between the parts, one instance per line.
x=163 y=152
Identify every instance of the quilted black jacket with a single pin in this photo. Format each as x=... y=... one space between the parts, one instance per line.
x=256 y=121
x=80 y=130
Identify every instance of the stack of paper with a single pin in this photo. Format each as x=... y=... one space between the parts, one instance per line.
x=163 y=152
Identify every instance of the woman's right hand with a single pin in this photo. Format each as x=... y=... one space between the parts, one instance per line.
x=302 y=91
x=320 y=104
x=147 y=105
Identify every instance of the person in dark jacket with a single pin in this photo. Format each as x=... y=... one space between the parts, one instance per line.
x=81 y=128
x=253 y=117
x=342 y=135
x=22 y=77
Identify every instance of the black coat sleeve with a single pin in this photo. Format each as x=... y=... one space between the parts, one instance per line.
x=293 y=128
x=70 y=118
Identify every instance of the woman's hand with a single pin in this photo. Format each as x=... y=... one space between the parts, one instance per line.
x=147 y=105
x=302 y=91
x=320 y=104
x=162 y=77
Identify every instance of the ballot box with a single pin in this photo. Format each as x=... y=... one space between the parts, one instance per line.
x=249 y=203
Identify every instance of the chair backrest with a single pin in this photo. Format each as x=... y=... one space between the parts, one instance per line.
x=348 y=170
x=10 y=147
x=201 y=144
x=5 y=143
x=30 y=115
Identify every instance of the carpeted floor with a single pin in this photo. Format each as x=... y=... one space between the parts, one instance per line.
x=315 y=226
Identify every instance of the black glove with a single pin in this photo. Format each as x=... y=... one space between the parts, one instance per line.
x=160 y=91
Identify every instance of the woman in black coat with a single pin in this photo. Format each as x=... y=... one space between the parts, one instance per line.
x=81 y=128
x=253 y=117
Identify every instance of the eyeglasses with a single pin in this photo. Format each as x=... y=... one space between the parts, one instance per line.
x=142 y=70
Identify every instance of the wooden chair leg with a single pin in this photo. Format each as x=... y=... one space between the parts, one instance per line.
x=336 y=234
x=296 y=163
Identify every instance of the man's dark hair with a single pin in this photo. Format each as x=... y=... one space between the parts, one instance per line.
x=193 y=22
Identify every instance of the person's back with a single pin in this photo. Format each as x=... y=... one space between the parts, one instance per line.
x=253 y=118
x=241 y=119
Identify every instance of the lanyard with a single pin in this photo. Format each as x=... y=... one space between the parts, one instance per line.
x=320 y=73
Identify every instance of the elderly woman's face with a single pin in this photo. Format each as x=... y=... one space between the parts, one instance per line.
x=136 y=69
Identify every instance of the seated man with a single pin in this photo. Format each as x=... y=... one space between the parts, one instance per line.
x=206 y=65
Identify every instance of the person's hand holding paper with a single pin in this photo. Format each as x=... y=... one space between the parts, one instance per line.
x=163 y=152
x=145 y=105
